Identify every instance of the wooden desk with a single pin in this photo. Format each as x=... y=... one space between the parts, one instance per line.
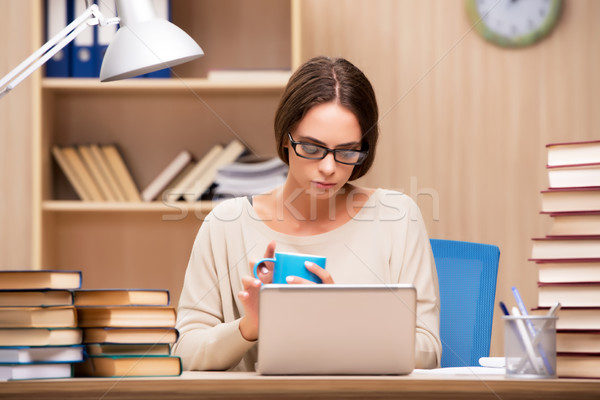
x=232 y=385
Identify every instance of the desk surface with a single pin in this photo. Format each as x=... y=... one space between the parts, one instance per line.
x=233 y=385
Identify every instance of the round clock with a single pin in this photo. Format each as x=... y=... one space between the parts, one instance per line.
x=513 y=23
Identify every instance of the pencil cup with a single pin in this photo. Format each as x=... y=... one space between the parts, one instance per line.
x=530 y=346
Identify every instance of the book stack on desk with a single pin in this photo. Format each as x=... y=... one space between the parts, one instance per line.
x=568 y=257
x=127 y=332
x=39 y=337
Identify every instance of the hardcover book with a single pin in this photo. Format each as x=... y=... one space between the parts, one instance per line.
x=121 y=297
x=573 y=153
x=38 y=317
x=130 y=335
x=117 y=366
x=35 y=298
x=574 y=294
x=123 y=316
x=571 y=199
x=41 y=354
x=35 y=371
x=40 y=279
x=40 y=336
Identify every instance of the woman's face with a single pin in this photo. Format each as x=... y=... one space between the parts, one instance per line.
x=335 y=127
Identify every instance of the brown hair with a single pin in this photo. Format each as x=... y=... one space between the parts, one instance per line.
x=322 y=80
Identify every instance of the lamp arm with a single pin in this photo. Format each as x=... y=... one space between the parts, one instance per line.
x=91 y=16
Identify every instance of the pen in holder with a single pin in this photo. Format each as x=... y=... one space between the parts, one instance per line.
x=530 y=355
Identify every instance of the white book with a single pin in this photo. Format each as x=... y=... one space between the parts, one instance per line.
x=186 y=182
x=35 y=371
x=41 y=354
x=166 y=176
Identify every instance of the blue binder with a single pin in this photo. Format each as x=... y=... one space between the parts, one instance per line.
x=83 y=54
x=59 y=14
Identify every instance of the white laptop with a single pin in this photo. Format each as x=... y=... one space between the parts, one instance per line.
x=336 y=329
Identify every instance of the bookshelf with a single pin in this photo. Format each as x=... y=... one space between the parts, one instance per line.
x=146 y=245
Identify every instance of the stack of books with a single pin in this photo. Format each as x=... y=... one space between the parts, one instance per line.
x=39 y=337
x=568 y=258
x=97 y=172
x=249 y=176
x=127 y=332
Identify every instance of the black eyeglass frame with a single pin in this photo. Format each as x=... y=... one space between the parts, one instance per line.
x=364 y=152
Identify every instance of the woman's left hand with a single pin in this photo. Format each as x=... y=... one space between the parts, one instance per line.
x=315 y=269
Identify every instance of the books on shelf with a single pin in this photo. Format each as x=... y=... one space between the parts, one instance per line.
x=130 y=335
x=208 y=171
x=83 y=173
x=35 y=298
x=573 y=153
x=572 y=294
x=96 y=172
x=38 y=317
x=40 y=279
x=167 y=175
x=40 y=336
x=586 y=175
x=121 y=297
x=70 y=173
x=41 y=354
x=249 y=176
x=571 y=200
x=184 y=183
x=569 y=271
x=129 y=366
x=110 y=179
x=121 y=173
x=126 y=316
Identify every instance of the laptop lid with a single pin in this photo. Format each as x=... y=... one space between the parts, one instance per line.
x=336 y=329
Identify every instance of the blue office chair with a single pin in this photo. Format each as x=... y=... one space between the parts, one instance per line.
x=467 y=278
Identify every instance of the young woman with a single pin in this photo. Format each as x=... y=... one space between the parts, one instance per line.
x=326 y=130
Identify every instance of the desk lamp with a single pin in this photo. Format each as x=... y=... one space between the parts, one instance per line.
x=144 y=43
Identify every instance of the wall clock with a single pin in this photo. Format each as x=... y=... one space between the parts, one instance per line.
x=513 y=23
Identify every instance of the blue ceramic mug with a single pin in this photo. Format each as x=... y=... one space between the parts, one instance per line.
x=292 y=264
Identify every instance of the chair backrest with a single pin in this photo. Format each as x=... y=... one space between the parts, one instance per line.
x=467 y=275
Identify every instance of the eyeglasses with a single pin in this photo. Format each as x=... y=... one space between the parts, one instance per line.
x=317 y=152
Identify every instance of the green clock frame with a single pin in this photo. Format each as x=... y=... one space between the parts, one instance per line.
x=519 y=41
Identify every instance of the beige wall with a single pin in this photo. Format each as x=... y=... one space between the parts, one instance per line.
x=18 y=38
x=465 y=122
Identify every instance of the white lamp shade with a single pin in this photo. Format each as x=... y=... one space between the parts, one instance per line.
x=146 y=46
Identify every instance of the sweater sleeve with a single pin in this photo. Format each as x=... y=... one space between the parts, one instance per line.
x=209 y=339
x=419 y=268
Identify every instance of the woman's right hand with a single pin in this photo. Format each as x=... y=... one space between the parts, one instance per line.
x=249 y=296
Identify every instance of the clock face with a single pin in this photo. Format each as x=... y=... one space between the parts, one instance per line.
x=513 y=22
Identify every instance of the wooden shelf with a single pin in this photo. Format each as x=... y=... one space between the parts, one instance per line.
x=173 y=84
x=66 y=206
